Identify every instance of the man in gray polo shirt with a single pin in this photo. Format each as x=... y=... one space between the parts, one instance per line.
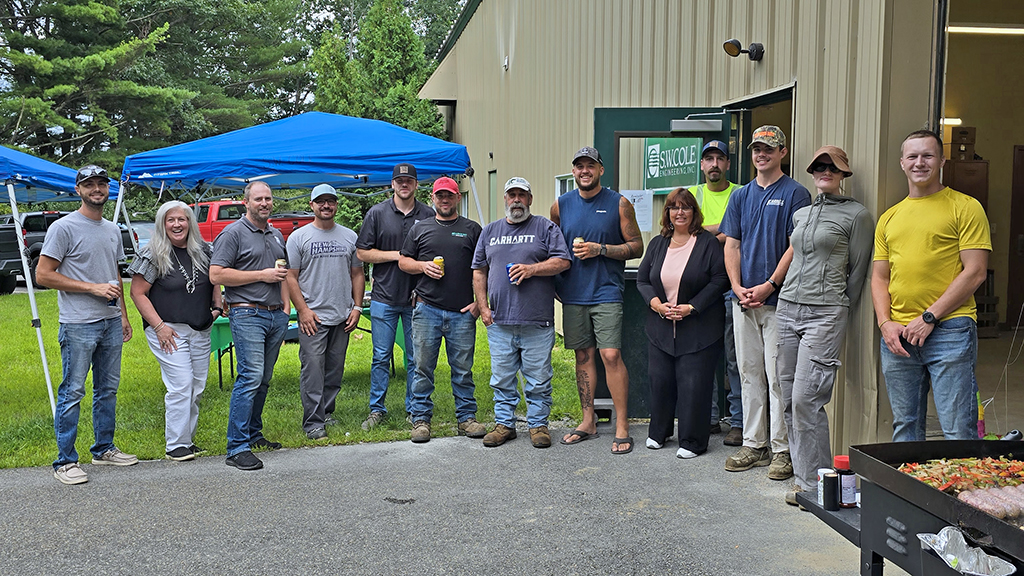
x=79 y=258
x=244 y=261
x=326 y=283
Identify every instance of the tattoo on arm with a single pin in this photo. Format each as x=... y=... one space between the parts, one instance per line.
x=634 y=245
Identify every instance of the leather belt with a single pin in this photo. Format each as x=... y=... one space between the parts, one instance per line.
x=253 y=305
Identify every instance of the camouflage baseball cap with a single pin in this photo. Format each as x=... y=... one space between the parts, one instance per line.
x=770 y=136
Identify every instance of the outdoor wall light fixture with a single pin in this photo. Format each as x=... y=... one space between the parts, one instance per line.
x=733 y=48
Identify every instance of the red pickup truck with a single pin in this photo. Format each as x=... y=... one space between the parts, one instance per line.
x=212 y=217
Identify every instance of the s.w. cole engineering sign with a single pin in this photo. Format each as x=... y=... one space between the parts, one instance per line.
x=670 y=163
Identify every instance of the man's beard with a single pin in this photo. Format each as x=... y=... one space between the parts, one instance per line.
x=517 y=219
x=446 y=212
x=594 y=185
x=713 y=176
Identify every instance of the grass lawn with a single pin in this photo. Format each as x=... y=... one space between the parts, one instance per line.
x=26 y=425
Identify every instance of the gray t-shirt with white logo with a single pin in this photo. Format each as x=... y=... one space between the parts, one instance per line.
x=87 y=250
x=324 y=259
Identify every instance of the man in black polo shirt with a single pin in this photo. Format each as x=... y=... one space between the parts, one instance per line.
x=444 y=308
x=384 y=230
x=244 y=261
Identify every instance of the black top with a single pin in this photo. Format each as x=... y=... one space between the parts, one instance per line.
x=702 y=284
x=385 y=227
x=455 y=241
x=172 y=300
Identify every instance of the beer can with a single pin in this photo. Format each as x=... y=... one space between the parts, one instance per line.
x=578 y=240
x=113 y=302
x=439 y=260
x=281 y=263
x=508 y=270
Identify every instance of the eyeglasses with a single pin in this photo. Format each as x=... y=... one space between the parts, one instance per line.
x=821 y=167
x=680 y=209
x=321 y=202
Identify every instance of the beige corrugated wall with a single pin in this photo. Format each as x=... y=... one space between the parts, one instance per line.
x=861 y=70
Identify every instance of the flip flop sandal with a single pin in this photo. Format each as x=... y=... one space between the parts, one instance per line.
x=620 y=441
x=581 y=437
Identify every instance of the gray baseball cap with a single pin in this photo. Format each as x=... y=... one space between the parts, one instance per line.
x=588 y=152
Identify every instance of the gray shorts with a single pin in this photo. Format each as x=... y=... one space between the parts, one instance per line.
x=596 y=325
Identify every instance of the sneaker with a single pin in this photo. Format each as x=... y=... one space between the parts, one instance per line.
x=420 y=432
x=180 y=454
x=329 y=420
x=318 y=434
x=654 y=444
x=685 y=454
x=244 y=461
x=471 y=428
x=375 y=418
x=781 y=467
x=71 y=474
x=500 y=435
x=716 y=428
x=264 y=443
x=734 y=437
x=115 y=457
x=197 y=450
x=791 y=496
x=746 y=458
x=540 y=436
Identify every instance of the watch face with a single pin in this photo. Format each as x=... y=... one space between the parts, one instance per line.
x=928 y=317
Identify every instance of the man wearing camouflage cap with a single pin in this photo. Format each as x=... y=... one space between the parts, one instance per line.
x=757 y=224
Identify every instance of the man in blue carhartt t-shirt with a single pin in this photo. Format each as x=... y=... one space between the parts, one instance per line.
x=600 y=226
x=514 y=266
x=757 y=224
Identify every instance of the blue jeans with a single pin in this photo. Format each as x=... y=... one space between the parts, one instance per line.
x=429 y=325
x=947 y=358
x=258 y=335
x=732 y=372
x=97 y=344
x=383 y=327
x=525 y=349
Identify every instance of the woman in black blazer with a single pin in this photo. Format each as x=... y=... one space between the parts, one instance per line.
x=685 y=325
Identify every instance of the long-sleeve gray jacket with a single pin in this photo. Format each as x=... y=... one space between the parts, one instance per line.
x=832 y=240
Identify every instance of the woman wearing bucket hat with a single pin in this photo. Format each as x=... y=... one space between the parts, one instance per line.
x=831 y=250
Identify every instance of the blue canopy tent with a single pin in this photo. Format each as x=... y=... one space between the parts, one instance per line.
x=298 y=152
x=30 y=180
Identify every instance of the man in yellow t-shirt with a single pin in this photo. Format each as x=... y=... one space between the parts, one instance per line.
x=931 y=254
x=713 y=197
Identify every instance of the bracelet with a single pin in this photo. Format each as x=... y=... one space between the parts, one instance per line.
x=774 y=284
x=218 y=309
x=883 y=324
x=159 y=326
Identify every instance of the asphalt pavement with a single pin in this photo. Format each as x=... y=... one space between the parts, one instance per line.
x=450 y=506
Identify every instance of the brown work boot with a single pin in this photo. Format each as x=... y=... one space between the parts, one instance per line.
x=470 y=427
x=500 y=435
x=734 y=437
x=420 y=432
x=540 y=437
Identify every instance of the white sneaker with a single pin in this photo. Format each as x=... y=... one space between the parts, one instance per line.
x=654 y=445
x=71 y=474
x=684 y=453
x=115 y=457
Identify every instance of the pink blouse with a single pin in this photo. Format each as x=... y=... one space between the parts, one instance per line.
x=676 y=258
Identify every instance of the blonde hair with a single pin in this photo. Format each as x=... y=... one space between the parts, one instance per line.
x=160 y=245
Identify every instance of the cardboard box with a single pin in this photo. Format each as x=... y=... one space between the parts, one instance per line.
x=959 y=151
x=963 y=135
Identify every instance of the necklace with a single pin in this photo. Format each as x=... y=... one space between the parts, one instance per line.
x=441 y=223
x=679 y=242
x=190 y=279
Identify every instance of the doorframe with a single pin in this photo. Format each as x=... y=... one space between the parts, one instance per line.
x=1013 y=305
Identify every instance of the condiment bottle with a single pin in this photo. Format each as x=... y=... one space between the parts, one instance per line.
x=847 y=482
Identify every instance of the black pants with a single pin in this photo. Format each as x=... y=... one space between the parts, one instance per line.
x=681 y=388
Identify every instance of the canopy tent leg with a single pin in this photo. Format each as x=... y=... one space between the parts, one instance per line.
x=23 y=250
x=476 y=198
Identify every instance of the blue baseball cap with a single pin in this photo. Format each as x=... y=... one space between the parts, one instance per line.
x=716 y=145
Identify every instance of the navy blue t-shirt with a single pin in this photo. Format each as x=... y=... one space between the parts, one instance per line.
x=532 y=301
x=762 y=220
x=594 y=280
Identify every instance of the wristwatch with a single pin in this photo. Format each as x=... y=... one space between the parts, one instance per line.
x=774 y=284
x=604 y=249
x=929 y=318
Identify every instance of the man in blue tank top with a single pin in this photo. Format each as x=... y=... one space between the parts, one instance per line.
x=600 y=226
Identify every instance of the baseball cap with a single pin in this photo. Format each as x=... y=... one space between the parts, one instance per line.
x=588 y=152
x=769 y=135
x=322 y=190
x=715 y=145
x=90 y=171
x=403 y=169
x=836 y=155
x=517 y=182
x=446 y=183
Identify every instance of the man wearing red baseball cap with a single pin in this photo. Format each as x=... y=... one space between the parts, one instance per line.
x=438 y=252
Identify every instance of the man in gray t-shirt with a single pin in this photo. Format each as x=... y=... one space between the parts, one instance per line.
x=514 y=266
x=326 y=284
x=79 y=258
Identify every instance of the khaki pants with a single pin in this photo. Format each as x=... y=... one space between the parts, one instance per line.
x=763 y=414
